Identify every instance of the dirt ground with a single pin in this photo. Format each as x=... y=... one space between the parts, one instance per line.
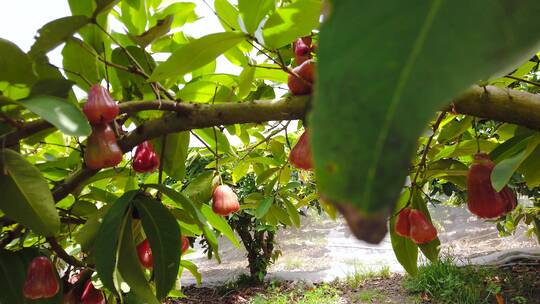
x=518 y=281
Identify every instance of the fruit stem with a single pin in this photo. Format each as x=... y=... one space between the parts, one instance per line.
x=475 y=123
x=422 y=163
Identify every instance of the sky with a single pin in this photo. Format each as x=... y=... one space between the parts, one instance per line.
x=21 y=19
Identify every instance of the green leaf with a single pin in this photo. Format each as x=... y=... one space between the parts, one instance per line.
x=82 y=7
x=129 y=81
x=194 y=212
x=395 y=92
x=228 y=15
x=55 y=32
x=240 y=170
x=253 y=12
x=161 y=28
x=289 y=22
x=245 y=80
x=531 y=168
x=206 y=91
x=130 y=267
x=86 y=236
x=104 y=5
x=454 y=129
x=271 y=73
x=196 y=54
x=511 y=147
x=15 y=65
x=281 y=214
x=431 y=249
x=207 y=134
x=26 y=195
x=183 y=13
x=176 y=150
x=64 y=115
x=193 y=269
x=504 y=170
x=220 y=224
x=76 y=58
x=53 y=87
x=108 y=240
x=163 y=233
x=200 y=189
x=264 y=206
x=406 y=251
x=293 y=213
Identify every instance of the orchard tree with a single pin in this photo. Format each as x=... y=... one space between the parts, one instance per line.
x=84 y=219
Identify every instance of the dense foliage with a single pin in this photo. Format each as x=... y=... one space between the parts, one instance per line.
x=226 y=155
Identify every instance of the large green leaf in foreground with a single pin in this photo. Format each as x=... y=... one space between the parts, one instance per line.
x=26 y=197
x=383 y=72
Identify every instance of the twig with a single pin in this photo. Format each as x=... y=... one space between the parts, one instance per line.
x=132 y=58
x=204 y=143
x=59 y=145
x=11 y=235
x=266 y=139
x=422 y=162
x=523 y=80
x=423 y=159
x=63 y=254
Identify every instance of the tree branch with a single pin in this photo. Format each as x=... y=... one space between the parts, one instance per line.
x=505 y=105
x=489 y=102
x=57 y=248
x=191 y=116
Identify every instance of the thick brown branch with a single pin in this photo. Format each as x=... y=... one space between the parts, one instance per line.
x=487 y=102
x=187 y=117
x=505 y=105
x=196 y=116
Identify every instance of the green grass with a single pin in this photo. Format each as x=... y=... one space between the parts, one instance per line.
x=362 y=273
x=371 y=296
x=446 y=282
x=323 y=294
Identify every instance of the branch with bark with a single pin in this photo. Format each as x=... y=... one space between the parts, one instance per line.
x=489 y=102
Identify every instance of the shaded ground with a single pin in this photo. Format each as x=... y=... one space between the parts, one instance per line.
x=323 y=250
x=513 y=284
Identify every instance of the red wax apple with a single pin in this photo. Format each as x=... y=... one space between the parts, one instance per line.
x=100 y=107
x=224 y=200
x=145 y=159
x=300 y=156
x=41 y=279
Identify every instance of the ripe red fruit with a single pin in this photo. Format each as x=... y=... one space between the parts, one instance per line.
x=300 y=155
x=41 y=279
x=306 y=71
x=145 y=254
x=185 y=243
x=403 y=225
x=302 y=50
x=224 y=200
x=100 y=107
x=422 y=230
x=482 y=199
x=102 y=151
x=145 y=159
x=91 y=295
